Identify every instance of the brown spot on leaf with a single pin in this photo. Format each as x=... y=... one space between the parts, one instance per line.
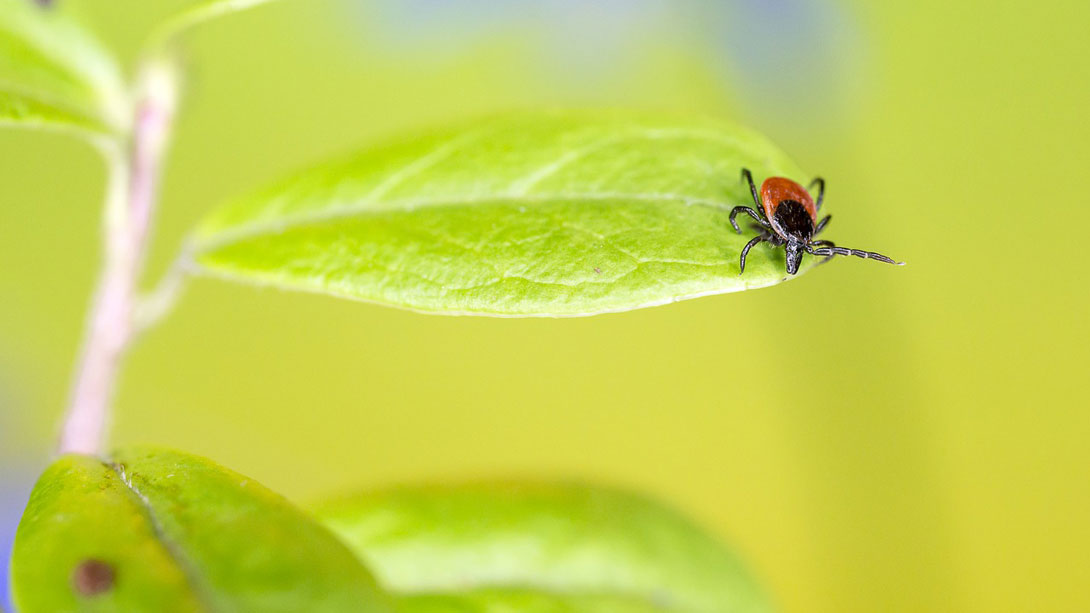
x=44 y=3
x=92 y=577
x=597 y=270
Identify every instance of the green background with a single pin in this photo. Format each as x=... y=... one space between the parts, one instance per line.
x=870 y=438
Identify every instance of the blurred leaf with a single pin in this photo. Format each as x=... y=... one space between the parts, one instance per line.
x=524 y=601
x=46 y=53
x=159 y=530
x=227 y=6
x=199 y=13
x=548 y=214
x=554 y=548
x=19 y=110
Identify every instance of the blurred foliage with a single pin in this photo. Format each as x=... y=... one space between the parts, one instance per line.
x=20 y=110
x=159 y=530
x=47 y=55
x=153 y=529
x=470 y=542
x=897 y=439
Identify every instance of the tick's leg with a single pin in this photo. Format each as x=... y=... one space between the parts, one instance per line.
x=821 y=190
x=745 y=209
x=821 y=224
x=866 y=255
x=823 y=244
x=748 y=178
x=745 y=251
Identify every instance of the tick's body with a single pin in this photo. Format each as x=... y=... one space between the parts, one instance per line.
x=788 y=207
x=788 y=217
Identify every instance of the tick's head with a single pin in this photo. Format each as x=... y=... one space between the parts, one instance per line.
x=794 y=252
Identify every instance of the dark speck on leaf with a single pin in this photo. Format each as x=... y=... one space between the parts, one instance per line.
x=44 y=3
x=92 y=577
x=597 y=270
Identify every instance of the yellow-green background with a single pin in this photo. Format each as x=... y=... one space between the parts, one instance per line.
x=870 y=438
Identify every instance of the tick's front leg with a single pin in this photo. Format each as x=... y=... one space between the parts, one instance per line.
x=745 y=251
x=754 y=214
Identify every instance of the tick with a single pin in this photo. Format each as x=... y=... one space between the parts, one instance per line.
x=787 y=215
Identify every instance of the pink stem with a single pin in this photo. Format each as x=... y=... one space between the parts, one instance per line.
x=133 y=191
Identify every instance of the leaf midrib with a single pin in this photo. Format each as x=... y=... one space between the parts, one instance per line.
x=243 y=232
x=270 y=280
x=174 y=550
x=82 y=121
x=516 y=191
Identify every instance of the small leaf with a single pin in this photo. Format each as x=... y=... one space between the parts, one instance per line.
x=20 y=110
x=548 y=214
x=159 y=530
x=524 y=601
x=51 y=56
x=556 y=548
x=227 y=6
x=199 y=13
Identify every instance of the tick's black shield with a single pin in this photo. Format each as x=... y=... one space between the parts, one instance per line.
x=794 y=221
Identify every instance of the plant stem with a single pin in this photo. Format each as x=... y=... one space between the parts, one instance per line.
x=130 y=205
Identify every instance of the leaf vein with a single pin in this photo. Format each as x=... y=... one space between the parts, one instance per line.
x=242 y=232
x=424 y=162
x=200 y=589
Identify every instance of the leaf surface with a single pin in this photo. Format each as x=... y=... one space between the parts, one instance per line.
x=23 y=111
x=547 y=548
x=199 y=13
x=52 y=57
x=227 y=6
x=550 y=214
x=524 y=601
x=157 y=530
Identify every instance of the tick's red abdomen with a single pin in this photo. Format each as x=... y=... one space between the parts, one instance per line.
x=777 y=189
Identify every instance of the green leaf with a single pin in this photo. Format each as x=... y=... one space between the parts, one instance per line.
x=222 y=7
x=23 y=111
x=524 y=601
x=540 y=215
x=48 y=54
x=199 y=13
x=158 y=530
x=555 y=548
